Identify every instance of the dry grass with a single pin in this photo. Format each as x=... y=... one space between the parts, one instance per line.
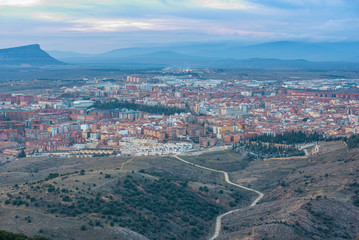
x=14 y=176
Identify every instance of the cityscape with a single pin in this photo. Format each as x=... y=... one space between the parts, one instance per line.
x=179 y=120
x=184 y=113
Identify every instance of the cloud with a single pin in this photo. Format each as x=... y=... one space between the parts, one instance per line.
x=157 y=21
x=341 y=23
x=111 y=25
x=224 y=4
x=230 y=31
x=63 y=4
x=308 y=3
x=49 y=16
x=19 y=3
x=170 y=24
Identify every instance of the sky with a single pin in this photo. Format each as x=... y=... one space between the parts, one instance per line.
x=96 y=26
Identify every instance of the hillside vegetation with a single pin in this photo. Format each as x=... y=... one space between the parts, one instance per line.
x=159 y=198
x=314 y=198
x=4 y=235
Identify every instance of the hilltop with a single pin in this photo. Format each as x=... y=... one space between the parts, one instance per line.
x=114 y=198
x=27 y=57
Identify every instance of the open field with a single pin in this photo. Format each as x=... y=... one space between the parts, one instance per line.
x=226 y=160
x=36 y=86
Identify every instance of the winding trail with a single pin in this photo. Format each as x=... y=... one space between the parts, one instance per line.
x=226 y=178
x=123 y=164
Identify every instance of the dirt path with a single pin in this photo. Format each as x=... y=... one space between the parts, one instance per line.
x=226 y=178
x=113 y=180
x=130 y=160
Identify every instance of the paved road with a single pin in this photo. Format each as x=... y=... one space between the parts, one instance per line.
x=226 y=178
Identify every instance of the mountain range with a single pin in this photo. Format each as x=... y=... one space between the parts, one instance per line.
x=273 y=56
x=340 y=51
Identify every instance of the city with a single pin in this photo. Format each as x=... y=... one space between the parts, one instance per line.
x=179 y=120
x=184 y=113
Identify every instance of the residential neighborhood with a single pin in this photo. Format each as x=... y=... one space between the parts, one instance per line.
x=171 y=114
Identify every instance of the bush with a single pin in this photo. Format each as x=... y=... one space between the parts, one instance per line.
x=4 y=235
x=52 y=175
x=66 y=199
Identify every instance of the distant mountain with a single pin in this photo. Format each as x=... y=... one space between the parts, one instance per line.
x=166 y=56
x=299 y=50
x=130 y=52
x=274 y=55
x=142 y=58
x=280 y=64
x=277 y=55
x=27 y=57
x=68 y=54
x=340 y=51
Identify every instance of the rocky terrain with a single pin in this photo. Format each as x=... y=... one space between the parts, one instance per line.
x=113 y=198
x=315 y=198
x=312 y=198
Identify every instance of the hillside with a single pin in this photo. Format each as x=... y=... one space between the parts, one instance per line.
x=163 y=198
x=315 y=198
x=114 y=198
x=26 y=57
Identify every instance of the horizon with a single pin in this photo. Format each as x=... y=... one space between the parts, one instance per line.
x=204 y=43
x=178 y=44
x=92 y=27
x=197 y=54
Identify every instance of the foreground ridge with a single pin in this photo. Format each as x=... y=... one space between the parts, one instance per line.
x=226 y=178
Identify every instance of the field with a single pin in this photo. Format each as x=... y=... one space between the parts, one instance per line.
x=226 y=160
x=36 y=86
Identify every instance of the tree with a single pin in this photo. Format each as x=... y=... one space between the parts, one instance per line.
x=22 y=154
x=19 y=236
x=158 y=109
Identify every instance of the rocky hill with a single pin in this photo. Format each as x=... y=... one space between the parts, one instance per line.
x=316 y=198
x=27 y=57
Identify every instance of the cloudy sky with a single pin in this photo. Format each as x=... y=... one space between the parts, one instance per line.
x=95 y=26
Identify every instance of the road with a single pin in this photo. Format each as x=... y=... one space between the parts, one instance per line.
x=226 y=178
x=309 y=145
x=199 y=152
